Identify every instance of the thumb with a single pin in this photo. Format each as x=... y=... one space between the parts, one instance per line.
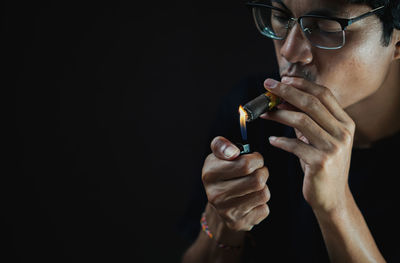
x=223 y=149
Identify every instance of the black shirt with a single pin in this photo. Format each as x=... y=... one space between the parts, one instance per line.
x=291 y=232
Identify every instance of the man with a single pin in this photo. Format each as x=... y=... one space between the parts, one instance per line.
x=333 y=196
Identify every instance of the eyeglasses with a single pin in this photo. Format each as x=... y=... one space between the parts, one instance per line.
x=322 y=31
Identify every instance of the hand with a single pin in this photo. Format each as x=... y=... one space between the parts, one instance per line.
x=236 y=185
x=324 y=141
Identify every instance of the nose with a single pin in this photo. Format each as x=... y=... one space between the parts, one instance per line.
x=296 y=48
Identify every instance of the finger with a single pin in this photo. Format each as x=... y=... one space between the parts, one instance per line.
x=301 y=137
x=306 y=102
x=287 y=106
x=223 y=149
x=302 y=122
x=243 y=204
x=302 y=150
x=324 y=94
x=215 y=169
x=245 y=185
x=255 y=216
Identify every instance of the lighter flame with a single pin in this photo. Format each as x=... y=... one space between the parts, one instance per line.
x=243 y=119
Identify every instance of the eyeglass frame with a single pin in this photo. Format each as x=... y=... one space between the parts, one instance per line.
x=344 y=22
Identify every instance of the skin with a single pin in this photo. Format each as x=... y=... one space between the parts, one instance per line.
x=331 y=98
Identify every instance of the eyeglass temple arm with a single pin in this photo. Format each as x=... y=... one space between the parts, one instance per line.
x=373 y=11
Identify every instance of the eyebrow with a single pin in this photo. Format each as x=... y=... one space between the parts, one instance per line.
x=282 y=4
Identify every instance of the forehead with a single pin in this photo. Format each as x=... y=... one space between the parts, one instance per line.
x=340 y=8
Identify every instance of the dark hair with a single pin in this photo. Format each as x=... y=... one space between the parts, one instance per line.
x=390 y=17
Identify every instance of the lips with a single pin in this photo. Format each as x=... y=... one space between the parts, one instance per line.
x=298 y=72
x=292 y=73
x=304 y=74
x=292 y=76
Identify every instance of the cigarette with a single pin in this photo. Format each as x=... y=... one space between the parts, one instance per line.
x=261 y=104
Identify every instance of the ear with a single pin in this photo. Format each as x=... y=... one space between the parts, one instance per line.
x=397 y=51
x=397 y=44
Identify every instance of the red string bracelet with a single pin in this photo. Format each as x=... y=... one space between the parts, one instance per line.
x=204 y=227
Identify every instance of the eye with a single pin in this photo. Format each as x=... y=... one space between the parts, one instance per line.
x=328 y=25
x=279 y=17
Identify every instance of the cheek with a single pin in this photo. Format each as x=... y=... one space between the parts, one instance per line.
x=350 y=81
x=353 y=76
x=277 y=53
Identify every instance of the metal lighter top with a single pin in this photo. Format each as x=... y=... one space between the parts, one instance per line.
x=244 y=148
x=263 y=103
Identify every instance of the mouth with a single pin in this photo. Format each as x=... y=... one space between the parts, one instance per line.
x=292 y=76
x=296 y=72
x=304 y=75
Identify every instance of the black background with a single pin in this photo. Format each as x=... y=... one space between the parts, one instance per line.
x=113 y=106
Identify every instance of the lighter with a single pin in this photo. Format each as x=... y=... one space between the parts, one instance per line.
x=244 y=148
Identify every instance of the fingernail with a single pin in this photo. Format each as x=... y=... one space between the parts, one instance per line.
x=270 y=83
x=230 y=151
x=272 y=138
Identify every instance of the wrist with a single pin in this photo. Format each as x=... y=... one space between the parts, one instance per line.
x=221 y=233
x=338 y=212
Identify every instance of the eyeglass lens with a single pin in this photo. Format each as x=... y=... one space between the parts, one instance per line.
x=321 y=32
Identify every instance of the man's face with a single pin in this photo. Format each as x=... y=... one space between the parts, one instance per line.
x=353 y=72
